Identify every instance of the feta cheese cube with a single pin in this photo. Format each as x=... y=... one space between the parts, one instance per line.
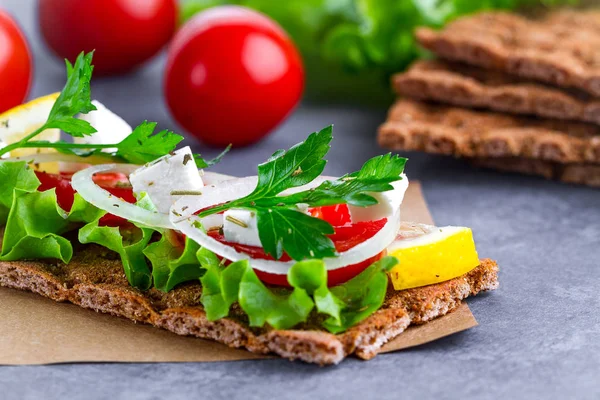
x=239 y=226
x=173 y=172
x=388 y=203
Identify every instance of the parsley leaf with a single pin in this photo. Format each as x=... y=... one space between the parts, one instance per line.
x=301 y=235
x=74 y=99
x=282 y=227
x=376 y=175
x=202 y=163
x=143 y=145
x=299 y=165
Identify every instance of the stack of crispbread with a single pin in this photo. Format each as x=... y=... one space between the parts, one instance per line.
x=507 y=92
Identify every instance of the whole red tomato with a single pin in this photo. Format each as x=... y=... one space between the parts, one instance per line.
x=232 y=75
x=124 y=33
x=15 y=64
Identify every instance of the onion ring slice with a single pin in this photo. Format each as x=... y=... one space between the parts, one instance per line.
x=183 y=218
x=83 y=183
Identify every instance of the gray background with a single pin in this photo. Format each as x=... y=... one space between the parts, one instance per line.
x=538 y=335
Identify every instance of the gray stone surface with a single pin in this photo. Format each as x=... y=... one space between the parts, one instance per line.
x=538 y=335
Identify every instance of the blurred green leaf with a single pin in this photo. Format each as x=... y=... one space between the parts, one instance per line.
x=350 y=47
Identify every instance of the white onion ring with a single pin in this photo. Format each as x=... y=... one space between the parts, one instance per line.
x=183 y=218
x=84 y=184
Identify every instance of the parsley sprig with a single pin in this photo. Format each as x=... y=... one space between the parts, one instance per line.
x=74 y=99
x=143 y=145
x=281 y=225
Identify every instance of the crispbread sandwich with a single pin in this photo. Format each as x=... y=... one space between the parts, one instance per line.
x=287 y=262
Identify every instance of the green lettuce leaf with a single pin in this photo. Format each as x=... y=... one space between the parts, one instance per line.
x=281 y=311
x=311 y=275
x=344 y=305
x=36 y=222
x=172 y=264
x=223 y=286
x=14 y=175
x=128 y=243
x=361 y=296
x=220 y=286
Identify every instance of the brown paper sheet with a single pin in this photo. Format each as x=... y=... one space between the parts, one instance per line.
x=36 y=330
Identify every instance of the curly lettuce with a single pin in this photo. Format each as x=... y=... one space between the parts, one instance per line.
x=343 y=306
x=35 y=223
x=173 y=263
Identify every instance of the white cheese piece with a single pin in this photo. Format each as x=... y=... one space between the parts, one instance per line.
x=239 y=226
x=388 y=203
x=174 y=172
x=111 y=127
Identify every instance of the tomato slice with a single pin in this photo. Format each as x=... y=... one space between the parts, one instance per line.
x=336 y=215
x=346 y=236
x=334 y=277
x=116 y=184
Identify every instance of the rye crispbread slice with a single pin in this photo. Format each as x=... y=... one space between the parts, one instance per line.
x=560 y=48
x=94 y=279
x=432 y=128
x=467 y=86
x=580 y=174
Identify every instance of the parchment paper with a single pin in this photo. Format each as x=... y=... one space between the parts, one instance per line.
x=36 y=330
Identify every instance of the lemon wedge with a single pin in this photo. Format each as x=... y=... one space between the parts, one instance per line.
x=20 y=121
x=429 y=254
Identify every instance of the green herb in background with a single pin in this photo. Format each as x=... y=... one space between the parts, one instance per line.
x=350 y=47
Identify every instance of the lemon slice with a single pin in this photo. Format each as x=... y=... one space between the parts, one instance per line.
x=430 y=254
x=20 y=121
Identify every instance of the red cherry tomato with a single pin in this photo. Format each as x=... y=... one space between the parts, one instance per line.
x=124 y=33
x=346 y=236
x=232 y=76
x=16 y=67
x=113 y=183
